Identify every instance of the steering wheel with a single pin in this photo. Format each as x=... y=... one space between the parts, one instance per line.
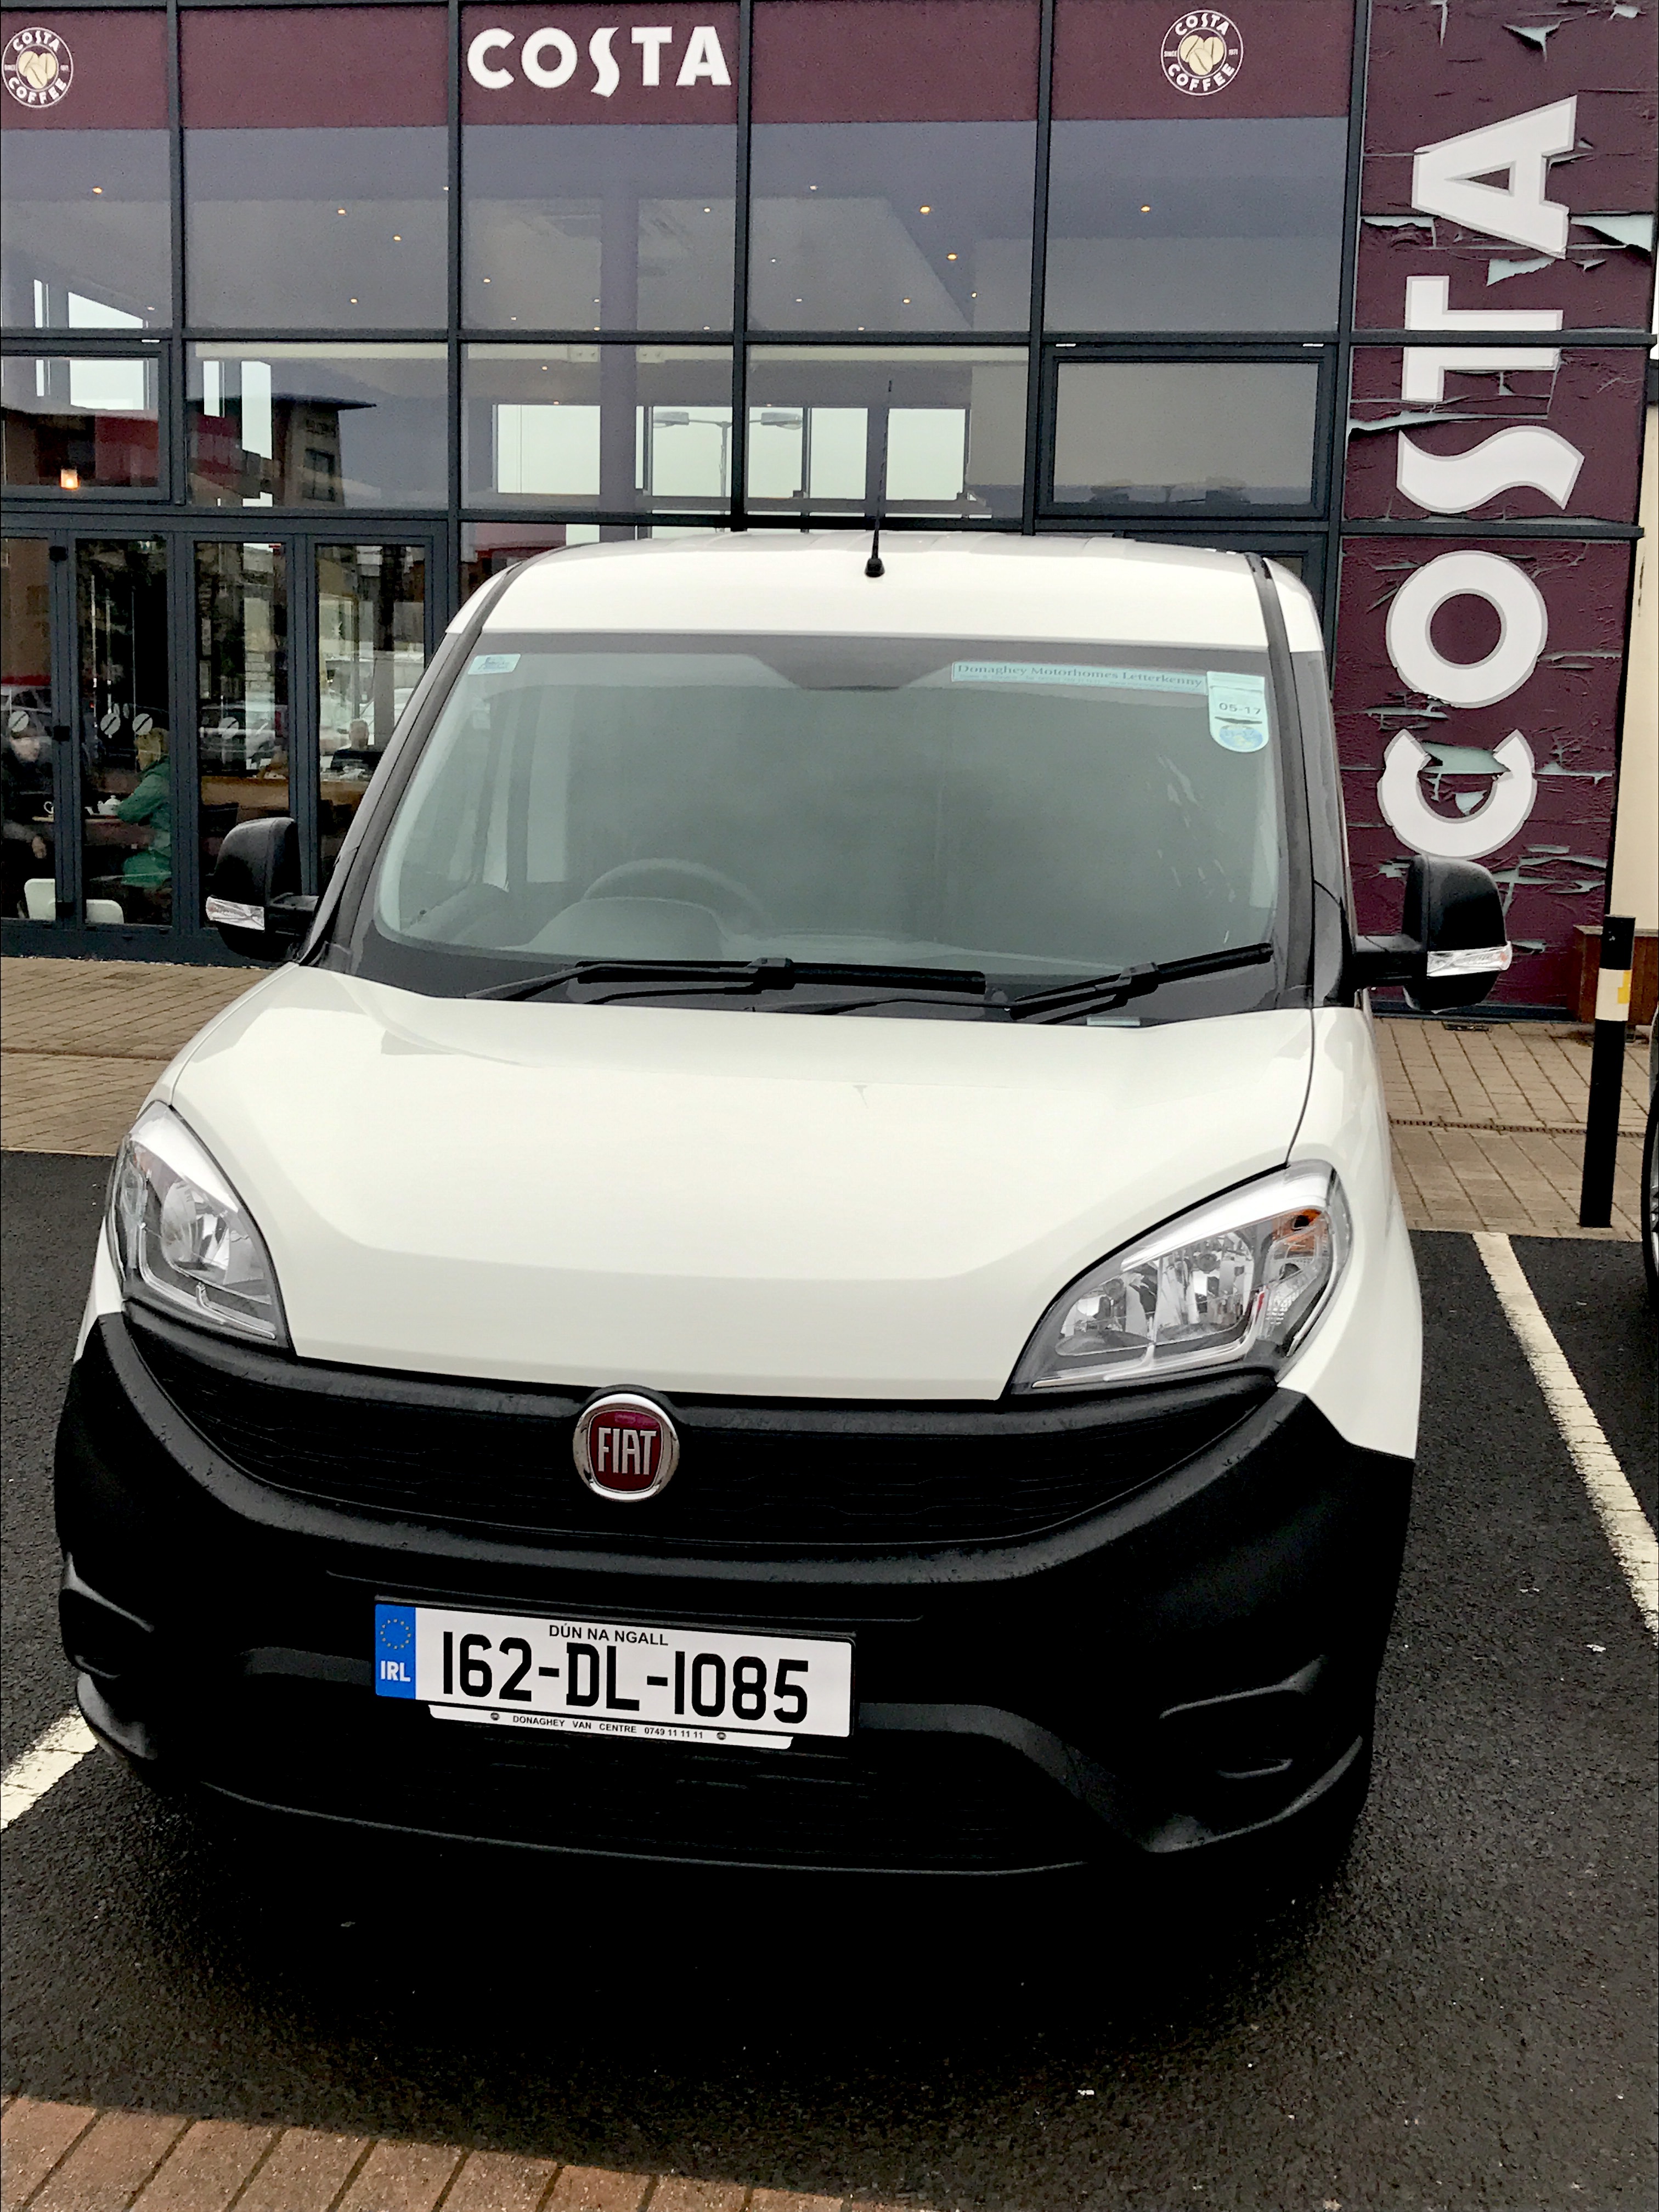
x=630 y=879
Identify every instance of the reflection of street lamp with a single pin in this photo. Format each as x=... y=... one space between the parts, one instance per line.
x=681 y=418
x=784 y=418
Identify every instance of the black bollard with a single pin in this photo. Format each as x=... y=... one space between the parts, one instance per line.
x=1606 y=1071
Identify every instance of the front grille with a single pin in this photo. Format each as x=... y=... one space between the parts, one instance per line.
x=910 y=1803
x=752 y=1476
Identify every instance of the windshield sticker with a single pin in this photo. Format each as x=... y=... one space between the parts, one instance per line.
x=1056 y=671
x=1238 y=710
x=492 y=664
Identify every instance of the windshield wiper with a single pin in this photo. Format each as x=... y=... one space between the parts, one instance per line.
x=705 y=975
x=659 y=978
x=1064 y=1000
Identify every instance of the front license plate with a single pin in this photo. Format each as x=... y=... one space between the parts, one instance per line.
x=614 y=1677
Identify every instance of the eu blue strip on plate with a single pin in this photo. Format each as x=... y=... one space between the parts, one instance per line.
x=394 y=1651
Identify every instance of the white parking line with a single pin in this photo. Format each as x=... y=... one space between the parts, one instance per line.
x=47 y=1761
x=1627 y=1527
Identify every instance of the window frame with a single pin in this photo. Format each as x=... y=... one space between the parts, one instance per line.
x=1220 y=353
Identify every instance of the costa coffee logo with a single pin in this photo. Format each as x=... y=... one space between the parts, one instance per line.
x=549 y=57
x=625 y=1448
x=1450 y=179
x=1202 y=53
x=38 y=66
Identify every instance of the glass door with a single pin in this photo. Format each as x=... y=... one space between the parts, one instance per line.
x=371 y=612
x=123 y=727
x=242 y=719
x=29 y=889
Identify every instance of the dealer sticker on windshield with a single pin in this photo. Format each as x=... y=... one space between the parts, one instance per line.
x=1237 y=704
x=580 y=1677
x=1059 y=672
x=1238 y=710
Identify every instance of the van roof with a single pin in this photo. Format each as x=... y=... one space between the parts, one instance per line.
x=937 y=584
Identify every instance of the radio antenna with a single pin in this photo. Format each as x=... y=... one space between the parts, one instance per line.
x=874 y=566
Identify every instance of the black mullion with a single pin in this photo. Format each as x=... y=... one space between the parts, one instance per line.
x=1352 y=187
x=1564 y=340
x=62 y=675
x=1359 y=69
x=185 y=708
x=304 y=685
x=1564 y=527
x=19 y=340
x=83 y=345
x=445 y=591
x=310 y=334
x=739 y=492
x=177 y=414
x=1030 y=500
x=1329 y=414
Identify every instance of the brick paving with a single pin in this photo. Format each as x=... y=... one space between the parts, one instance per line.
x=82 y=1041
x=73 y=2158
x=1488 y=1117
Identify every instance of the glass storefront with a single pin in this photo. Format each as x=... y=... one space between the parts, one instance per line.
x=371 y=650
x=316 y=316
x=342 y=425
x=29 y=886
x=81 y=425
x=124 y=729
x=244 y=729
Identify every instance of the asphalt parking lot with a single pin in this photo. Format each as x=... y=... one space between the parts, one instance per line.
x=1463 y=2017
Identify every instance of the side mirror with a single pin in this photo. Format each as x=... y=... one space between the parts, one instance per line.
x=1454 y=942
x=254 y=897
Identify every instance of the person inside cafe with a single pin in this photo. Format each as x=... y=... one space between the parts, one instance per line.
x=146 y=885
x=26 y=780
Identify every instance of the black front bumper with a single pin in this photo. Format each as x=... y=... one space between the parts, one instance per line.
x=1189 y=1666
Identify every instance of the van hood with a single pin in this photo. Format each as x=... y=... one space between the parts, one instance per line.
x=731 y=1202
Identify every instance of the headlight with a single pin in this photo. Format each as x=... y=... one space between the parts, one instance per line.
x=1239 y=1279
x=183 y=1239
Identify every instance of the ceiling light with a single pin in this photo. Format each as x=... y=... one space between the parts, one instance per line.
x=924 y=210
x=99 y=190
x=949 y=257
x=396 y=238
x=1146 y=211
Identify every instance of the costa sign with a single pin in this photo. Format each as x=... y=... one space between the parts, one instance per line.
x=37 y=66
x=1477 y=675
x=549 y=57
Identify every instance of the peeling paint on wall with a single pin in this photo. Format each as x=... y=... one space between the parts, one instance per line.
x=1552 y=871
x=1478 y=675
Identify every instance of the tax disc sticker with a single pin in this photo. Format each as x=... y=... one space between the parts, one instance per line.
x=1238 y=710
x=492 y=664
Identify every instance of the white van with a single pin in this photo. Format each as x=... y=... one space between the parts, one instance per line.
x=798 y=1266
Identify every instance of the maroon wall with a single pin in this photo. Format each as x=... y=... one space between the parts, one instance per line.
x=1570 y=432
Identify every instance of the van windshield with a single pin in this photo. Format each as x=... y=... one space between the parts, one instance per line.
x=1033 y=813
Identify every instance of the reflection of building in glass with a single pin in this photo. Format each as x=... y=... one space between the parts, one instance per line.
x=80 y=425
x=285 y=453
